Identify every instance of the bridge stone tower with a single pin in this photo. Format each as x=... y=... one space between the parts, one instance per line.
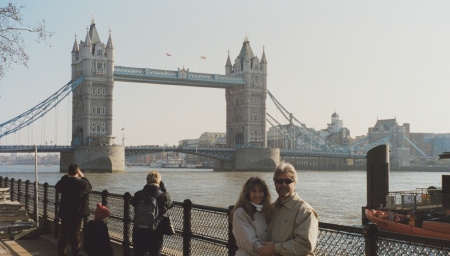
x=246 y=105
x=246 y=114
x=92 y=107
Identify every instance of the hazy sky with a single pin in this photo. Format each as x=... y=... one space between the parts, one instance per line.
x=366 y=59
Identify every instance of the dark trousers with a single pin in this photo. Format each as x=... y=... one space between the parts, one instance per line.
x=70 y=230
x=146 y=241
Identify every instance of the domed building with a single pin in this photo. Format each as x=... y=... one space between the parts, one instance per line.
x=335 y=131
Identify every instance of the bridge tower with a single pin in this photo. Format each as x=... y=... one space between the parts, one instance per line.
x=246 y=115
x=92 y=106
x=246 y=104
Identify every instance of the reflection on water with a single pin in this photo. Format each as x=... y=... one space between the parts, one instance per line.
x=336 y=196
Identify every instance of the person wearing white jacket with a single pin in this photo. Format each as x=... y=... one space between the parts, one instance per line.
x=250 y=216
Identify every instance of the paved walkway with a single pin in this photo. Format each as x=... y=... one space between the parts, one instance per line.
x=36 y=246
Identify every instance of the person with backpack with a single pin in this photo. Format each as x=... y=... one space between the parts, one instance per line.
x=96 y=240
x=150 y=204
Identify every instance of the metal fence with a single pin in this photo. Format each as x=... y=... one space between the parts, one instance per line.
x=204 y=230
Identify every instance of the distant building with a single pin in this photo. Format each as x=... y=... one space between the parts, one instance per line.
x=336 y=132
x=188 y=143
x=284 y=136
x=400 y=151
x=209 y=139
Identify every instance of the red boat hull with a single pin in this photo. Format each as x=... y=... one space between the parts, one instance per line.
x=433 y=229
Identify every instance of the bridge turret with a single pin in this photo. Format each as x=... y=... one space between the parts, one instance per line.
x=75 y=57
x=228 y=66
x=264 y=62
x=110 y=58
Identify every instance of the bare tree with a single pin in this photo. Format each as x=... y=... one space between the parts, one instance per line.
x=11 y=41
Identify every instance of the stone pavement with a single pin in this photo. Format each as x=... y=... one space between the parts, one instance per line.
x=44 y=245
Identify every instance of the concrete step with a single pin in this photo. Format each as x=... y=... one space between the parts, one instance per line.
x=29 y=233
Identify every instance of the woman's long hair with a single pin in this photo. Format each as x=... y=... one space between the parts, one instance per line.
x=245 y=202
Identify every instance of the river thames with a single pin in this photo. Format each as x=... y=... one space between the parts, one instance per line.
x=337 y=196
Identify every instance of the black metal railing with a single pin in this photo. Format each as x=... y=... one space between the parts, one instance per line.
x=205 y=230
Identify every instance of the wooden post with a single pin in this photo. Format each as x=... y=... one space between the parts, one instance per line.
x=377 y=176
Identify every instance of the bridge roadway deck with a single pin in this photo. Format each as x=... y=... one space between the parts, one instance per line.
x=226 y=154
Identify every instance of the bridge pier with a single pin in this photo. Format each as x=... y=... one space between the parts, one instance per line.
x=99 y=159
x=251 y=160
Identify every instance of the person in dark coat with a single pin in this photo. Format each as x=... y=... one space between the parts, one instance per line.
x=96 y=240
x=145 y=240
x=73 y=207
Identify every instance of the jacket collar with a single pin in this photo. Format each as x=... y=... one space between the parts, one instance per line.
x=288 y=203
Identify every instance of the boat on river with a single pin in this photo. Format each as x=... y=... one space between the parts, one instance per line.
x=430 y=223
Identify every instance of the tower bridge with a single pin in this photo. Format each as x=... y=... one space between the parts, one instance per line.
x=94 y=74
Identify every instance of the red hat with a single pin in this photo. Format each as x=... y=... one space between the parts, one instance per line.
x=101 y=212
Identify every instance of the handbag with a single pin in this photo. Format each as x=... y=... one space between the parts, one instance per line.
x=167 y=226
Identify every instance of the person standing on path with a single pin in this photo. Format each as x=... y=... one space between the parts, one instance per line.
x=145 y=240
x=73 y=207
x=250 y=217
x=294 y=227
x=96 y=240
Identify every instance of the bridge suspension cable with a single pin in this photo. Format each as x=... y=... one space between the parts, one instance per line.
x=304 y=138
x=39 y=110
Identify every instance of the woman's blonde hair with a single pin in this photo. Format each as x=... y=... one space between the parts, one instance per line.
x=153 y=177
x=245 y=202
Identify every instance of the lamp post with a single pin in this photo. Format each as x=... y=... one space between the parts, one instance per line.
x=123 y=137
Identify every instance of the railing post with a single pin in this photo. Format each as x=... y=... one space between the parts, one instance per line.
x=126 y=224
x=45 y=203
x=105 y=194
x=1 y=181
x=56 y=221
x=232 y=247
x=19 y=190
x=35 y=205
x=11 y=190
x=6 y=182
x=370 y=239
x=27 y=193
x=187 y=230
